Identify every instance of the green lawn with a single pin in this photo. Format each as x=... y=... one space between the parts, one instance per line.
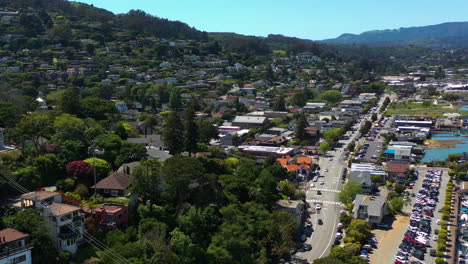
x=418 y=109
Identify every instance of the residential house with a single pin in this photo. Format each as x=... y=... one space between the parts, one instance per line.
x=66 y=225
x=249 y=121
x=398 y=170
x=300 y=164
x=39 y=199
x=14 y=247
x=370 y=208
x=114 y=185
x=110 y=215
x=294 y=207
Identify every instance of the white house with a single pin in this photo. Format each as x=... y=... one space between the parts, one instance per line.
x=66 y=225
x=14 y=247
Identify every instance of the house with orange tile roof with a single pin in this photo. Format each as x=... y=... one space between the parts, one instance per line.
x=300 y=164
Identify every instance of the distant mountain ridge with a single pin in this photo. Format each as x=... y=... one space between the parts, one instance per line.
x=447 y=34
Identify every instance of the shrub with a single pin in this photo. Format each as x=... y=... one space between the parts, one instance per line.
x=82 y=190
x=439 y=260
x=439 y=254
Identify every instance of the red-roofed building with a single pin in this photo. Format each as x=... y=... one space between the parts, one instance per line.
x=302 y=165
x=111 y=215
x=14 y=247
x=398 y=170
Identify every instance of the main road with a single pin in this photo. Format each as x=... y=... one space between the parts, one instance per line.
x=335 y=161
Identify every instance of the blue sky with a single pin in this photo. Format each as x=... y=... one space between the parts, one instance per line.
x=310 y=19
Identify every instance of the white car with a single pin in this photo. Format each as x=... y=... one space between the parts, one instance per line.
x=326 y=170
x=330 y=159
x=322 y=182
x=435 y=237
x=318 y=207
x=312 y=185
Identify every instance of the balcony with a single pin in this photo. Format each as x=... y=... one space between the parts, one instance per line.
x=66 y=235
x=5 y=252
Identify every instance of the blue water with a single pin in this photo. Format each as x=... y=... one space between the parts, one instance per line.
x=442 y=154
x=463 y=108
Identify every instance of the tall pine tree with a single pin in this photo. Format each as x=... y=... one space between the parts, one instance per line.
x=175 y=99
x=173 y=134
x=279 y=104
x=301 y=126
x=191 y=134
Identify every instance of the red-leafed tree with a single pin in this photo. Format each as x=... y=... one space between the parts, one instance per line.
x=79 y=170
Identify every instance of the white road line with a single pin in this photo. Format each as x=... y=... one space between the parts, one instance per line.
x=326 y=190
x=323 y=202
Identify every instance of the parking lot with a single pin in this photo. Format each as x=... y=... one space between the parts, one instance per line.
x=420 y=237
x=373 y=151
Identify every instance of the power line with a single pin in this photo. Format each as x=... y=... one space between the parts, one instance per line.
x=85 y=235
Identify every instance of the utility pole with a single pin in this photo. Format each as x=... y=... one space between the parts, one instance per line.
x=92 y=151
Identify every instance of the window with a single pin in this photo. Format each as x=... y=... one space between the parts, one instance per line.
x=106 y=190
x=18 y=259
x=114 y=193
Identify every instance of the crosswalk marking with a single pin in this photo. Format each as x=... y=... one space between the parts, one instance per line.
x=325 y=190
x=323 y=202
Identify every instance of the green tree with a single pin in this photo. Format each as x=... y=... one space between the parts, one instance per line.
x=147 y=180
x=301 y=125
x=175 y=99
x=206 y=131
x=328 y=260
x=69 y=101
x=183 y=245
x=181 y=177
x=374 y=117
x=28 y=177
x=359 y=229
x=190 y=131
x=324 y=148
x=396 y=204
x=280 y=104
x=96 y=108
x=68 y=127
x=29 y=222
x=130 y=152
x=349 y=191
x=9 y=114
x=331 y=96
x=333 y=135
x=150 y=121
x=173 y=134
x=102 y=167
x=49 y=168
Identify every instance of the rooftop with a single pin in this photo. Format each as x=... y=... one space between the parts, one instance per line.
x=10 y=234
x=116 y=181
x=249 y=119
x=58 y=209
x=39 y=195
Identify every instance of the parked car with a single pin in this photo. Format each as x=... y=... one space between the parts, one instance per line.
x=320 y=222
x=307 y=247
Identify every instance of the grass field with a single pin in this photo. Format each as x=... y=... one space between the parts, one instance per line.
x=418 y=109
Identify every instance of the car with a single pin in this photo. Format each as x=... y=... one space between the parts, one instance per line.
x=326 y=170
x=413 y=195
x=410 y=187
x=432 y=252
x=319 y=192
x=307 y=247
x=320 y=222
x=318 y=207
x=435 y=237
x=309 y=224
x=331 y=159
x=312 y=185
x=322 y=182
x=343 y=181
x=303 y=238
